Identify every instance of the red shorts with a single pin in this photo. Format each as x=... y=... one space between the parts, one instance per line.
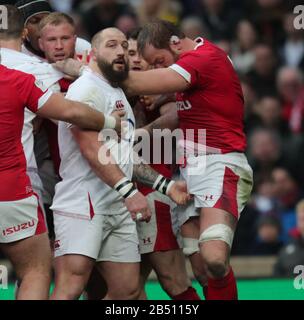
x=161 y=233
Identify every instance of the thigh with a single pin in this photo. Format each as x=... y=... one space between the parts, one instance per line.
x=120 y=277
x=33 y=253
x=120 y=242
x=73 y=264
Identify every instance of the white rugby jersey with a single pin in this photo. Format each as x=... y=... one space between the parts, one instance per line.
x=46 y=77
x=81 y=192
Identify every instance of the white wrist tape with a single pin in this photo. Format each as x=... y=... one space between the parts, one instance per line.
x=162 y=184
x=126 y=188
x=109 y=122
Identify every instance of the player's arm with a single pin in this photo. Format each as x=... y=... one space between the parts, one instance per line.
x=105 y=167
x=58 y=108
x=139 y=115
x=176 y=190
x=167 y=120
x=157 y=81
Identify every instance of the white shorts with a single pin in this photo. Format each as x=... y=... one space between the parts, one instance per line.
x=103 y=238
x=161 y=233
x=37 y=187
x=20 y=219
x=222 y=181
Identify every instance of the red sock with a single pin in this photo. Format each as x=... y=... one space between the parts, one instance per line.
x=222 y=289
x=189 y=294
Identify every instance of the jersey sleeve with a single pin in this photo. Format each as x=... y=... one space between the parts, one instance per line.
x=190 y=67
x=31 y=92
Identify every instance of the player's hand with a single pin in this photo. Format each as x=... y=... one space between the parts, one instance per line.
x=147 y=102
x=118 y=115
x=179 y=193
x=158 y=101
x=138 y=207
x=70 y=67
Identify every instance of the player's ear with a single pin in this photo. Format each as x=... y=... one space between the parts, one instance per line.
x=93 y=54
x=24 y=34
x=175 y=44
x=40 y=43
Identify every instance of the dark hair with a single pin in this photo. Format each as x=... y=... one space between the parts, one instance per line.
x=158 y=33
x=15 y=24
x=133 y=34
x=271 y=220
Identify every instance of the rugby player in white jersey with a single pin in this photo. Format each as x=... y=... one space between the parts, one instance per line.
x=94 y=203
x=33 y=12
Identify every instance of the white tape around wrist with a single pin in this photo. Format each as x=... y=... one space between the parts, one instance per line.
x=109 y=122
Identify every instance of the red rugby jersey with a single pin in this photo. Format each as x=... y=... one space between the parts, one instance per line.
x=17 y=91
x=214 y=100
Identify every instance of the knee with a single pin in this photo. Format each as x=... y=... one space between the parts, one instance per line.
x=70 y=285
x=216 y=268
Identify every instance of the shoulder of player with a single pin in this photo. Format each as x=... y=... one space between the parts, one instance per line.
x=18 y=76
x=82 y=45
x=86 y=88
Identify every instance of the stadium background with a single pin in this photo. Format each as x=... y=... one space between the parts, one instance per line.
x=268 y=54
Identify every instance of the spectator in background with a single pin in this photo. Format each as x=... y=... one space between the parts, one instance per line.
x=293 y=253
x=263 y=75
x=243 y=48
x=287 y=194
x=127 y=23
x=289 y=85
x=219 y=17
x=264 y=151
x=292 y=51
x=267 y=113
x=268 y=15
x=263 y=200
x=193 y=28
x=104 y=14
x=268 y=236
x=163 y=9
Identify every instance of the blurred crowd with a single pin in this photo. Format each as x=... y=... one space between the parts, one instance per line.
x=268 y=54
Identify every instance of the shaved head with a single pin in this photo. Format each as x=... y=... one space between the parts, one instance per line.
x=105 y=35
x=110 y=53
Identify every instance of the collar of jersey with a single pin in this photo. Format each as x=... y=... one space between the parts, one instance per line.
x=199 y=41
x=96 y=75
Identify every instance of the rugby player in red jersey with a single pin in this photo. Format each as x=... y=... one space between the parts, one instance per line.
x=209 y=97
x=159 y=239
